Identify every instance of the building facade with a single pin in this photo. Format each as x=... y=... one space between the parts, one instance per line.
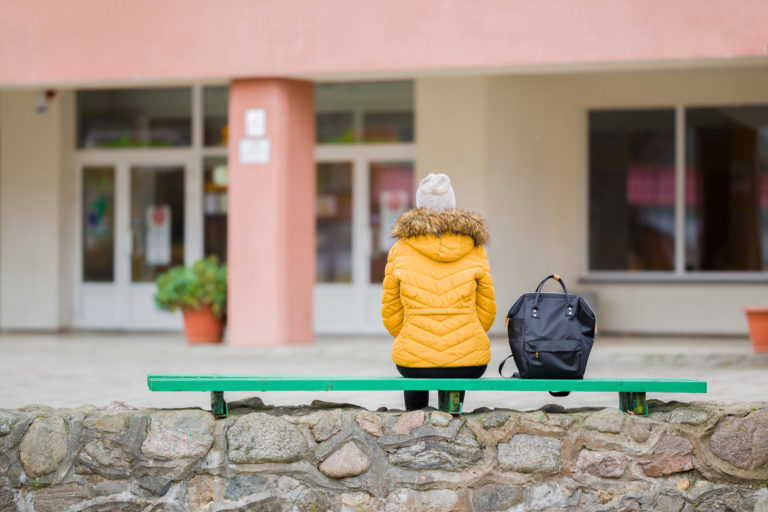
x=285 y=138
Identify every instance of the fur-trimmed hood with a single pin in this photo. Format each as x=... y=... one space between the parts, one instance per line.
x=426 y=230
x=430 y=222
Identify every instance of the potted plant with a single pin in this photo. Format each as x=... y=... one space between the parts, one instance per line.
x=200 y=291
x=757 y=319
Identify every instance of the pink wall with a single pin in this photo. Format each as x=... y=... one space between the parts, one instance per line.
x=82 y=41
x=271 y=226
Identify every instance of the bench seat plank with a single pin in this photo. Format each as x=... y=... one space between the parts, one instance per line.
x=159 y=382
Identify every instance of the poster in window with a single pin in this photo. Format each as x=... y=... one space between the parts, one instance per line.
x=392 y=203
x=158 y=234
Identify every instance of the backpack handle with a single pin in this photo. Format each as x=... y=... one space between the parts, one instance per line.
x=556 y=278
x=535 y=309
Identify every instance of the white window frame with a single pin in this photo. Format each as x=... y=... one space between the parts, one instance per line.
x=678 y=274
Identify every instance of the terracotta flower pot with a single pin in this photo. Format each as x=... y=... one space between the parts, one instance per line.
x=201 y=326
x=757 y=319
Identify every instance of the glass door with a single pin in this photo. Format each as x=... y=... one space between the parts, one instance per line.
x=361 y=191
x=137 y=220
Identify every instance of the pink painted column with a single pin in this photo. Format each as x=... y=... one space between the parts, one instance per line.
x=271 y=212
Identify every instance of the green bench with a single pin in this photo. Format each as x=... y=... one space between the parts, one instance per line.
x=631 y=391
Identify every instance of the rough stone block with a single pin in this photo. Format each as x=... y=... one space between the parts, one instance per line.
x=56 y=499
x=444 y=500
x=200 y=492
x=7 y=420
x=608 y=464
x=493 y=497
x=495 y=419
x=347 y=461
x=607 y=420
x=106 y=454
x=328 y=424
x=111 y=487
x=178 y=435
x=742 y=442
x=44 y=446
x=157 y=485
x=7 y=501
x=260 y=437
x=530 y=454
x=369 y=422
x=639 y=433
x=440 y=419
x=240 y=486
x=669 y=503
x=113 y=423
x=357 y=502
x=672 y=455
x=684 y=415
x=408 y=421
x=432 y=454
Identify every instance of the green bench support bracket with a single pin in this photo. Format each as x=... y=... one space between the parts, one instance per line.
x=449 y=401
x=218 y=404
x=633 y=403
x=631 y=391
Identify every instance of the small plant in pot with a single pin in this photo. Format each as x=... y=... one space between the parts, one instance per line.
x=757 y=320
x=200 y=291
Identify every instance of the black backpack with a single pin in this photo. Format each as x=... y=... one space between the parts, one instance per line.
x=550 y=334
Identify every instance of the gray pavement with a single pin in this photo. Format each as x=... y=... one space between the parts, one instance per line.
x=67 y=370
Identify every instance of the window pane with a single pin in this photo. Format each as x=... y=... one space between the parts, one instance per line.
x=157 y=220
x=117 y=118
x=364 y=112
x=215 y=200
x=631 y=190
x=391 y=194
x=216 y=109
x=335 y=127
x=726 y=189
x=98 y=224
x=388 y=127
x=334 y=222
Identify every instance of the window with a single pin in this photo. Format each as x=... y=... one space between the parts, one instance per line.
x=98 y=224
x=215 y=202
x=726 y=214
x=638 y=221
x=371 y=112
x=334 y=222
x=631 y=185
x=215 y=113
x=391 y=193
x=122 y=118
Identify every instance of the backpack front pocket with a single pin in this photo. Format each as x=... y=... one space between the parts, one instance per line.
x=553 y=359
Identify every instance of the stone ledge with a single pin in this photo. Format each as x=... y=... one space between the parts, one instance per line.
x=682 y=457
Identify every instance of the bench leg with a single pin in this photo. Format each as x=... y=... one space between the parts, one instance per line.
x=218 y=405
x=449 y=401
x=633 y=403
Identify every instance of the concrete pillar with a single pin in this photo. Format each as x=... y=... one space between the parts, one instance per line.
x=36 y=209
x=271 y=212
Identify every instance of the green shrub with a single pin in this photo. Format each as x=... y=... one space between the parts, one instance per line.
x=203 y=284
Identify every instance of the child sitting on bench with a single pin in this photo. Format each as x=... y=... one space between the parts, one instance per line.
x=438 y=300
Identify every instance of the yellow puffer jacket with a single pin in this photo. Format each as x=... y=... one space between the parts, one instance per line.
x=438 y=298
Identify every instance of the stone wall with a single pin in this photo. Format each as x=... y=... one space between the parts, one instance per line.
x=683 y=457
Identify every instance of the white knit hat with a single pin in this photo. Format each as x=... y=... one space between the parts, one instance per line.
x=435 y=192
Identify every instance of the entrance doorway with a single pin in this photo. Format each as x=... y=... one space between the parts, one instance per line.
x=138 y=215
x=361 y=190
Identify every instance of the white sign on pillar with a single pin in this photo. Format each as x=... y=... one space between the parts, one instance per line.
x=255 y=147
x=254 y=151
x=255 y=122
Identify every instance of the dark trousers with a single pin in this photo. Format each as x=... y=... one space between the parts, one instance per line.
x=420 y=399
